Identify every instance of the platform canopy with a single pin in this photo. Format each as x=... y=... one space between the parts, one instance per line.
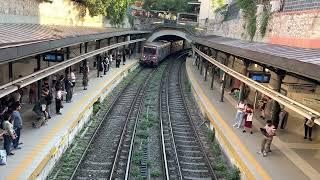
x=304 y=62
x=22 y=40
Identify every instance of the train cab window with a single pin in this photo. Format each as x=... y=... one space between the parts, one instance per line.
x=148 y=50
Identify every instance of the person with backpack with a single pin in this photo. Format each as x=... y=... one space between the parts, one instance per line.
x=9 y=134
x=17 y=125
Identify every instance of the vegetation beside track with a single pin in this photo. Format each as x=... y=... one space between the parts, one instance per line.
x=67 y=163
x=146 y=160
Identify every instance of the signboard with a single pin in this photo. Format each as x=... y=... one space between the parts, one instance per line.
x=53 y=57
x=261 y=77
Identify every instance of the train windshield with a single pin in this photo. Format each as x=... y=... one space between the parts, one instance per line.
x=149 y=50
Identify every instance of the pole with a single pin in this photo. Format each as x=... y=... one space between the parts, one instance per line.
x=242 y=86
x=212 y=80
x=276 y=106
x=206 y=72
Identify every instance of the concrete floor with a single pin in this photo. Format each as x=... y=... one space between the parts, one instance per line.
x=38 y=142
x=292 y=157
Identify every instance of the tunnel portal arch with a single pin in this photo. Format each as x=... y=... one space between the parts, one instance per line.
x=168 y=32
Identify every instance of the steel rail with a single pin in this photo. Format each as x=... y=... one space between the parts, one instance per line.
x=169 y=119
x=193 y=125
x=99 y=126
x=26 y=80
x=290 y=103
x=140 y=90
x=134 y=130
x=163 y=146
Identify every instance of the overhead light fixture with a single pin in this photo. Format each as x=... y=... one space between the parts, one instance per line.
x=255 y=65
x=267 y=70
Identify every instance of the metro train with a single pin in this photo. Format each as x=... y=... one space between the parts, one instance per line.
x=154 y=52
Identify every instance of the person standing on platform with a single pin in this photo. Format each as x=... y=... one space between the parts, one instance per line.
x=85 y=78
x=240 y=113
x=68 y=87
x=111 y=58
x=308 y=125
x=59 y=94
x=118 y=60
x=105 y=65
x=263 y=105
x=32 y=93
x=248 y=118
x=17 y=125
x=268 y=132
x=73 y=80
x=124 y=57
x=9 y=134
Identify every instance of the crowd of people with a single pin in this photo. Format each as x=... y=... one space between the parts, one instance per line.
x=244 y=117
x=61 y=87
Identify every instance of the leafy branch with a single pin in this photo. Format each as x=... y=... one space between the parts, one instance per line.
x=249 y=10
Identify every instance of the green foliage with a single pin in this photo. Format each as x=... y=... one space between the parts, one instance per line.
x=168 y=5
x=217 y=4
x=252 y=27
x=115 y=10
x=249 y=10
x=155 y=173
x=264 y=22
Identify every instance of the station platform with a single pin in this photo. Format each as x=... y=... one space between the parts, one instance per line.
x=292 y=157
x=42 y=147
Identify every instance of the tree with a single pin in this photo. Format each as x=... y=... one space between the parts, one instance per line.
x=168 y=5
x=115 y=10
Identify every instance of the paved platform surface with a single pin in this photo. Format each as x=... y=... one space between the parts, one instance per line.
x=292 y=157
x=38 y=142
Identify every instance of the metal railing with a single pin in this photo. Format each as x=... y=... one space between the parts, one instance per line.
x=29 y=79
x=289 y=103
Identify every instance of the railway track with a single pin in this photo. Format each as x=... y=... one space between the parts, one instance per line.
x=108 y=149
x=183 y=152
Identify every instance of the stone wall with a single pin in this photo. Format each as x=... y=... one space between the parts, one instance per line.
x=59 y=12
x=299 y=28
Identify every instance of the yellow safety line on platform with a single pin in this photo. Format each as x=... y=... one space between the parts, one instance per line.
x=44 y=141
x=234 y=139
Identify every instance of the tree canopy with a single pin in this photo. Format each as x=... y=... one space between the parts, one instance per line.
x=115 y=10
x=168 y=5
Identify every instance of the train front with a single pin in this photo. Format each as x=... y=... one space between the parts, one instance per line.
x=149 y=56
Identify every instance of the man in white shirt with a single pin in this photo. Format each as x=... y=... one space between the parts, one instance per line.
x=73 y=79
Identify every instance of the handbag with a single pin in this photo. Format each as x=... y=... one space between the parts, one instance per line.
x=310 y=123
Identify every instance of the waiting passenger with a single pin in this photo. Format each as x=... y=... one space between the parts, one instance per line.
x=240 y=113
x=42 y=115
x=59 y=94
x=32 y=93
x=17 y=125
x=68 y=87
x=9 y=133
x=308 y=125
x=73 y=80
x=85 y=78
x=248 y=117
x=124 y=57
x=268 y=132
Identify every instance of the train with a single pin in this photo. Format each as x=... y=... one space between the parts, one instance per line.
x=155 y=52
